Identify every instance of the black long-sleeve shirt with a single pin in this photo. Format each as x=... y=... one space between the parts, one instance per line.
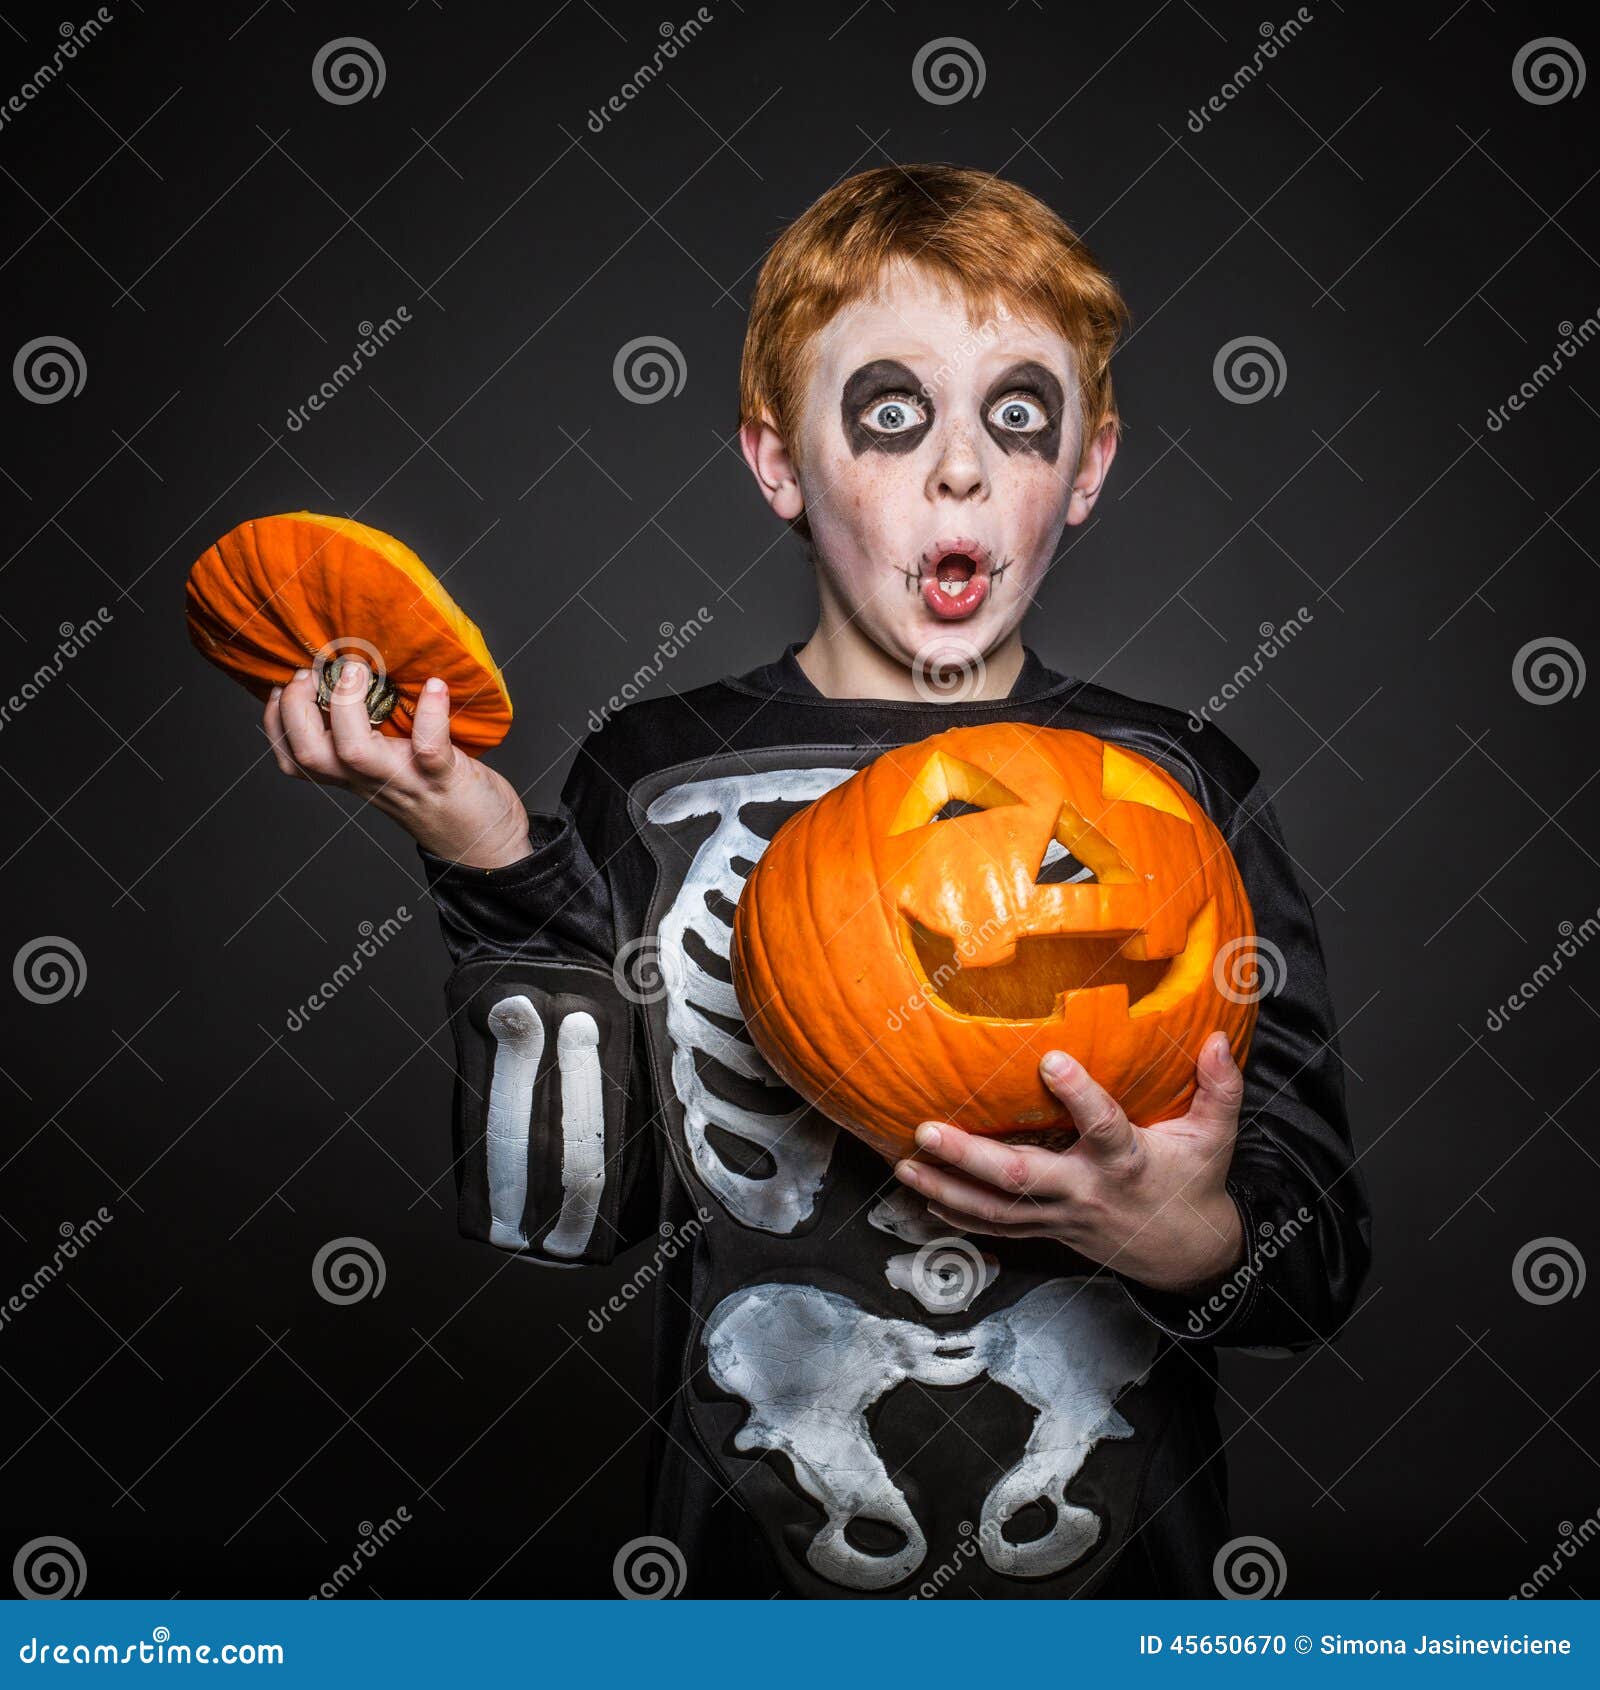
x=826 y=1425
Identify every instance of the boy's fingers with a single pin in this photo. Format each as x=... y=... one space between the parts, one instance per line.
x=353 y=736
x=1104 y=1131
x=991 y=1229
x=1219 y=1086
x=310 y=743
x=1020 y=1168
x=272 y=727
x=430 y=730
x=968 y=1196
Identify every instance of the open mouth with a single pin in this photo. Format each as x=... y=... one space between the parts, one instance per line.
x=1044 y=970
x=955 y=577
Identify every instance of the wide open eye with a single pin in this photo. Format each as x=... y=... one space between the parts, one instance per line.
x=894 y=413
x=1017 y=413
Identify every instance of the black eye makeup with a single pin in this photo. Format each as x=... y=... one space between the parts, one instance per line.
x=883 y=409
x=1022 y=411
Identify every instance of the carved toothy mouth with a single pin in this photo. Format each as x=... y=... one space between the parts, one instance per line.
x=1044 y=970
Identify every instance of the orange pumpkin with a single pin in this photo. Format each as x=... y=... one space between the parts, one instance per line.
x=302 y=591
x=911 y=944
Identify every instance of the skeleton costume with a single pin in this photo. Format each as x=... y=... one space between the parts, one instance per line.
x=849 y=1400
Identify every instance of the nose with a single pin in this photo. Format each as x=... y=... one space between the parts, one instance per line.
x=958 y=471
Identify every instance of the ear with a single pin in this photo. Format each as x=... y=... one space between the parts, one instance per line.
x=773 y=467
x=1092 y=472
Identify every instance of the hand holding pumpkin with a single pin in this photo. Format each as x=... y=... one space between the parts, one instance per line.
x=449 y=802
x=1151 y=1202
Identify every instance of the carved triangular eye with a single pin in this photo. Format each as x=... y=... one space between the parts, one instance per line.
x=945 y=781
x=1061 y=868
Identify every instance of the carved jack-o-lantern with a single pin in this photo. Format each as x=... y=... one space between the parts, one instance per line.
x=913 y=942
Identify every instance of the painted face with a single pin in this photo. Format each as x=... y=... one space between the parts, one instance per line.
x=937 y=461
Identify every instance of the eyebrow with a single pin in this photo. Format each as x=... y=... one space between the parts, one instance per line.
x=1024 y=371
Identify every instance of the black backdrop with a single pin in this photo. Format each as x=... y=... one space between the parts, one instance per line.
x=1411 y=233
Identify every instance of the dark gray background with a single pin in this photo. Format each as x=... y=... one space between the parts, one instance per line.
x=1382 y=205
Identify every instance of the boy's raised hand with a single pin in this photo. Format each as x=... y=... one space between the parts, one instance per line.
x=1151 y=1202
x=450 y=803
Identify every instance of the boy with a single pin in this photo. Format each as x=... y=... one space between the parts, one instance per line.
x=926 y=400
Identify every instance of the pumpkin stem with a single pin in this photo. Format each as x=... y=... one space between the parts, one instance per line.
x=381 y=697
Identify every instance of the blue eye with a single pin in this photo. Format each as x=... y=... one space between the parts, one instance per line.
x=893 y=415
x=1018 y=415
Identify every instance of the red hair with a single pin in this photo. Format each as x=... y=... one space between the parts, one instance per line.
x=988 y=240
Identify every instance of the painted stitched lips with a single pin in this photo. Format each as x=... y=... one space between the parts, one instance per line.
x=913 y=942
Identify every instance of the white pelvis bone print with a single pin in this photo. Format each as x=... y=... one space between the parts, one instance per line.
x=810 y=1363
x=798 y=1141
